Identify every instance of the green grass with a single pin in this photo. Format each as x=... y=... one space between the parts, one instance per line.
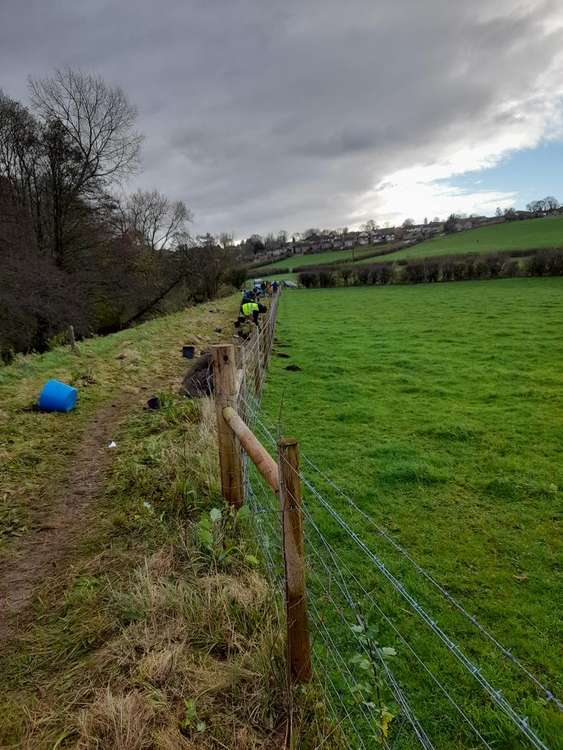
x=515 y=235
x=277 y=276
x=157 y=628
x=35 y=448
x=313 y=259
x=439 y=408
x=317 y=259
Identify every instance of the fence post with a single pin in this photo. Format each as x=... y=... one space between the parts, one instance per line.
x=298 y=645
x=258 y=371
x=224 y=384
x=72 y=339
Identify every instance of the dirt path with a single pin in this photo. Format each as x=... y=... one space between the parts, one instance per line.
x=42 y=552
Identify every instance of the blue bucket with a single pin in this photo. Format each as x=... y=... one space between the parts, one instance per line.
x=57 y=396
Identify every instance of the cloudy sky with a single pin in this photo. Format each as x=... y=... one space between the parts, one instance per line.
x=284 y=114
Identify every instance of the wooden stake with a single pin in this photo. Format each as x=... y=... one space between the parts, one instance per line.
x=224 y=383
x=298 y=645
x=258 y=371
x=72 y=340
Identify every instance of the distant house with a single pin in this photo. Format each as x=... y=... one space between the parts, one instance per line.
x=462 y=225
x=363 y=238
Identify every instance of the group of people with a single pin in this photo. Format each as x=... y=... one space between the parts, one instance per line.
x=251 y=308
x=269 y=288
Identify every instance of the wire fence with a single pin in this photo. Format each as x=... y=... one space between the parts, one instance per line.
x=390 y=642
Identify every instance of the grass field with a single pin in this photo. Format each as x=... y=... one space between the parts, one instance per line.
x=515 y=235
x=440 y=410
x=306 y=260
x=316 y=259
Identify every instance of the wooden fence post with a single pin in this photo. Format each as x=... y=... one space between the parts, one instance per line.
x=224 y=384
x=258 y=371
x=298 y=645
x=72 y=340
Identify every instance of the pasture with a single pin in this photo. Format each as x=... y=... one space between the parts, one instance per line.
x=315 y=259
x=439 y=409
x=514 y=235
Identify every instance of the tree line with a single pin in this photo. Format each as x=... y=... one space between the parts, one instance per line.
x=74 y=249
x=463 y=267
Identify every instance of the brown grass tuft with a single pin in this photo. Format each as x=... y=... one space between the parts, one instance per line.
x=120 y=722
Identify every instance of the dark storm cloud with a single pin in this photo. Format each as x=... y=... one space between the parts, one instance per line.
x=263 y=115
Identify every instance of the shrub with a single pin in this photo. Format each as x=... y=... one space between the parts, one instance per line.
x=432 y=271
x=510 y=268
x=308 y=279
x=362 y=275
x=237 y=277
x=414 y=272
x=326 y=279
x=546 y=263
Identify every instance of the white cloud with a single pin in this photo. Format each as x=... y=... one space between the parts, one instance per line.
x=264 y=115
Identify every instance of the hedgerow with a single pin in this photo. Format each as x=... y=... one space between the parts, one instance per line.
x=438 y=269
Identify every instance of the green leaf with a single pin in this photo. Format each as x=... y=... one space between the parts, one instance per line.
x=190 y=713
x=357 y=628
x=244 y=513
x=215 y=515
x=388 y=651
x=251 y=560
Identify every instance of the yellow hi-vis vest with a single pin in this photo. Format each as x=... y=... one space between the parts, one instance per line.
x=248 y=308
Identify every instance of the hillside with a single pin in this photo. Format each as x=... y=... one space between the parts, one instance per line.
x=515 y=235
x=317 y=259
x=132 y=616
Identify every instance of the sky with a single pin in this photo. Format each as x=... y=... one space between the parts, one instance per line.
x=264 y=115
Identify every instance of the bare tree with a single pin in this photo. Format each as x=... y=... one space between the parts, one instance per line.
x=21 y=160
x=408 y=223
x=550 y=203
x=369 y=226
x=226 y=240
x=90 y=140
x=155 y=220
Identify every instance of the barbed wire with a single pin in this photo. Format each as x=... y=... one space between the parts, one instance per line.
x=339 y=567
x=428 y=576
x=260 y=500
x=549 y=695
x=394 y=686
x=495 y=695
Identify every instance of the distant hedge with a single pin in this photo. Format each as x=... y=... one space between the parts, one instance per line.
x=436 y=269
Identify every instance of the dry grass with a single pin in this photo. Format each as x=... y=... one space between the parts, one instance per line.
x=158 y=640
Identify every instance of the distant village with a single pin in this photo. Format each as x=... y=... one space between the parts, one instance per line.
x=341 y=240
x=317 y=241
